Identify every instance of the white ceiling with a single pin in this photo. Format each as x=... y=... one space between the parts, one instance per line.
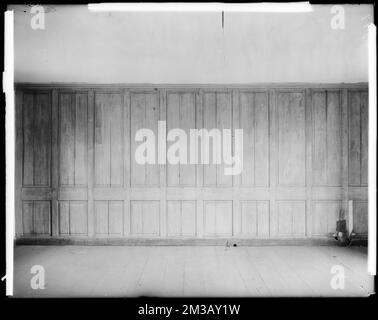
x=82 y=46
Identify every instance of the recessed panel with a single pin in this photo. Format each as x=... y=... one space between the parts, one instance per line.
x=145 y=218
x=218 y=218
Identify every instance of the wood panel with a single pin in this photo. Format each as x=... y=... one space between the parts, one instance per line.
x=358 y=158
x=325 y=214
x=291 y=139
x=108 y=217
x=364 y=110
x=145 y=218
x=326 y=160
x=358 y=137
x=360 y=217
x=36 y=218
x=144 y=114
x=305 y=155
x=73 y=139
x=64 y=217
x=73 y=218
x=254 y=120
x=181 y=218
x=37 y=139
x=109 y=144
x=218 y=218
x=291 y=218
x=181 y=114
x=255 y=218
x=28 y=139
x=217 y=114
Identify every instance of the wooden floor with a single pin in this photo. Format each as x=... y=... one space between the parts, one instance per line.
x=91 y=271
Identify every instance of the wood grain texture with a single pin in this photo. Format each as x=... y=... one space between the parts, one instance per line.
x=145 y=218
x=255 y=218
x=181 y=218
x=36 y=217
x=108 y=146
x=327 y=138
x=325 y=216
x=144 y=114
x=37 y=139
x=291 y=138
x=291 y=218
x=218 y=218
x=187 y=271
x=254 y=120
x=364 y=137
x=42 y=139
x=358 y=137
x=181 y=113
x=360 y=217
x=305 y=155
x=217 y=114
x=18 y=162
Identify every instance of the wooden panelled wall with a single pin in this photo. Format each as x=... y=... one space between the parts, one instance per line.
x=305 y=156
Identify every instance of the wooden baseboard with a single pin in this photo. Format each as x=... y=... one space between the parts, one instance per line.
x=177 y=242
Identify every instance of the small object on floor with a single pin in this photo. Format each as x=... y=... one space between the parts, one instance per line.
x=357 y=240
x=341 y=238
x=341 y=234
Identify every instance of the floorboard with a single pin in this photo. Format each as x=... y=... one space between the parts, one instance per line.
x=185 y=271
